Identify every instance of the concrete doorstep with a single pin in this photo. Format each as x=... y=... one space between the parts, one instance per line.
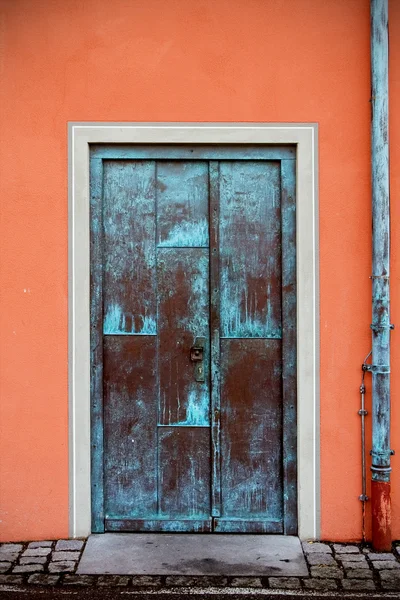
x=193 y=554
x=260 y=564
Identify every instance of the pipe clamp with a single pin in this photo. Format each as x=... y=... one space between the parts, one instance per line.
x=376 y=327
x=382 y=369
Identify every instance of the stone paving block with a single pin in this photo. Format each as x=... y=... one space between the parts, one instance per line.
x=310 y=547
x=16 y=579
x=37 y=552
x=79 y=580
x=66 y=566
x=381 y=556
x=11 y=547
x=351 y=558
x=32 y=560
x=246 y=582
x=43 y=579
x=69 y=545
x=354 y=565
x=359 y=574
x=44 y=544
x=28 y=568
x=358 y=584
x=113 y=580
x=284 y=583
x=146 y=580
x=390 y=579
x=4 y=566
x=188 y=581
x=385 y=564
x=326 y=572
x=320 y=584
x=343 y=549
x=8 y=556
x=56 y=556
x=316 y=558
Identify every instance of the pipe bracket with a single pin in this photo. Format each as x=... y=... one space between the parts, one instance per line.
x=381 y=457
x=381 y=369
x=376 y=327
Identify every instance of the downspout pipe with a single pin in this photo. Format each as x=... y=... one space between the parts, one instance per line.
x=380 y=368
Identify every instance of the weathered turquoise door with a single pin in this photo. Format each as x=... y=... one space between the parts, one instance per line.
x=193 y=312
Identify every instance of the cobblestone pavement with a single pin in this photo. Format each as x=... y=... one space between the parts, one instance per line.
x=331 y=566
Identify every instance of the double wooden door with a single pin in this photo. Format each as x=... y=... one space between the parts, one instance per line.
x=193 y=339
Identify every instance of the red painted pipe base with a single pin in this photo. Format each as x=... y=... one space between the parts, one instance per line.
x=381 y=516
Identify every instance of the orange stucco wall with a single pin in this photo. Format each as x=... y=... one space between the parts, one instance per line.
x=180 y=60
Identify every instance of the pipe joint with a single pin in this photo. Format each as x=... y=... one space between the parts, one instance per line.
x=381 y=473
x=375 y=469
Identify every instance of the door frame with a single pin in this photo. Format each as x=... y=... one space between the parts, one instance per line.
x=304 y=137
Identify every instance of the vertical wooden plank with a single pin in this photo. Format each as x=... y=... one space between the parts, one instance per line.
x=129 y=293
x=183 y=315
x=96 y=343
x=251 y=429
x=182 y=198
x=130 y=427
x=250 y=233
x=289 y=341
x=184 y=463
x=215 y=338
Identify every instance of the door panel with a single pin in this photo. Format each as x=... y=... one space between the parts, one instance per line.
x=129 y=289
x=193 y=308
x=184 y=459
x=130 y=425
x=250 y=249
x=251 y=430
x=182 y=204
x=183 y=308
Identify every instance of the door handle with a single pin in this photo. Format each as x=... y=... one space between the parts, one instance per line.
x=197 y=356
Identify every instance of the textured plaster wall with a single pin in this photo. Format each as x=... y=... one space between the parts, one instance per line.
x=180 y=60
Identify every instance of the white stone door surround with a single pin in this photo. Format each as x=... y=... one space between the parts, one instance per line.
x=305 y=137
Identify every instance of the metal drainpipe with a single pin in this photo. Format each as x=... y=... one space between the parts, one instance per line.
x=380 y=368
